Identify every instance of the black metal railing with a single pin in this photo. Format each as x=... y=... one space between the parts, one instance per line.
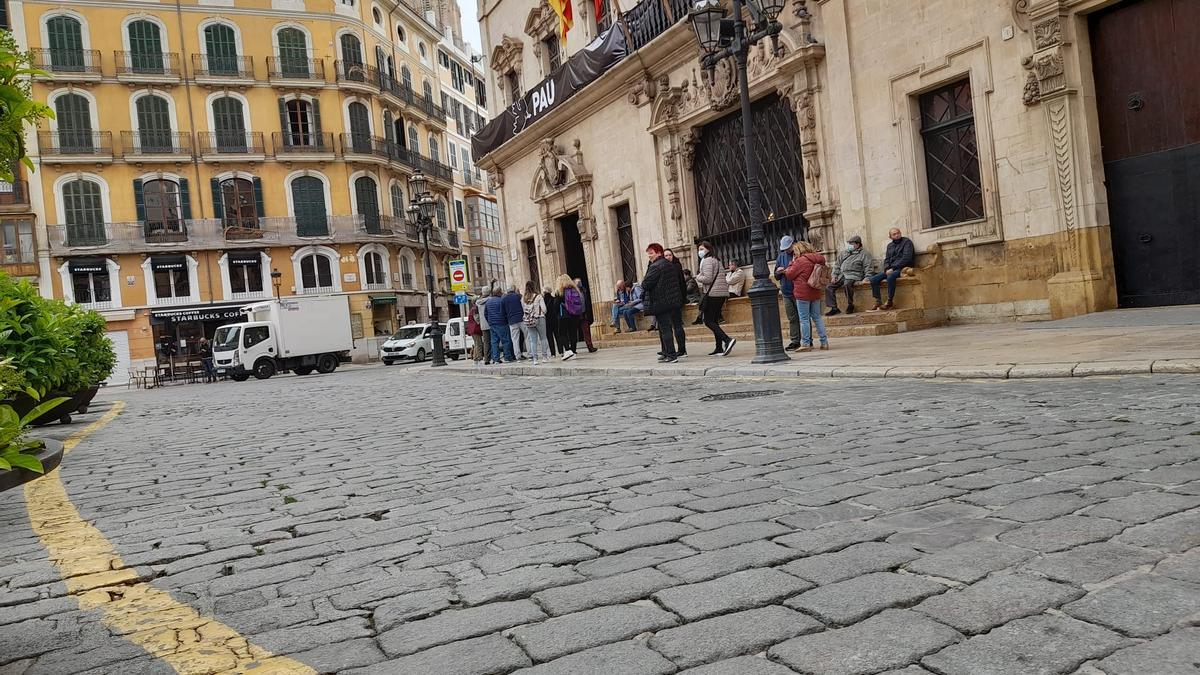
x=87 y=234
x=431 y=109
x=14 y=193
x=59 y=143
x=452 y=238
x=650 y=18
x=164 y=231
x=232 y=143
x=296 y=68
x=153 y=142
x=306 y=143
x=218 y=65
x=143 y=63
x=436 y=169
x=365 y=144
x=735 y=244
x=358 y=73
x=406 y=280
x=67 y=61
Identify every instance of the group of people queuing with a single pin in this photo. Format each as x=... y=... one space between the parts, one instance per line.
x=535 y=325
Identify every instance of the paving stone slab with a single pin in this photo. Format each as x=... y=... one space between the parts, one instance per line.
x=459 y=624
x=997 y=600
x=1044 y=507
x=490 y=655
x=411 y=606
x=742 y=514
x=1093 y=563
x=613 y=590
x=572 y=633
x=969 y=562
x=636 y=559
x=1143 y=507
x=901 y=498
x=853 y=600
x=1062 y=533
x=893 y=639
x=1185 y=567
x=657 y=514
x=619 y=541
x=834 y=537
x=713 y=564
x=732 y=535
x=735 y=592
x=1175 y=653
x=1174 y=534
x=856 y=560
x=742 y=665
x=1144 y=606
x=623 y=658
x=515 y=585
x=538 y=554
x=731 y=635
x=1037 y=644
x=809 y=518
x=951 y=534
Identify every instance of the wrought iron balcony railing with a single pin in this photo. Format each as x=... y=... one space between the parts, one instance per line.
x=357 y=73
x=364 y=144
x=231 y=143
x=288 y=144
x=154 y=143
x=163 y=64
x=75 y=143
x=64 y=62
x=295 y=69
x=223 y=66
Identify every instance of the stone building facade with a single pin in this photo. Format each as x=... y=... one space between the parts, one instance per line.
x=985 y=130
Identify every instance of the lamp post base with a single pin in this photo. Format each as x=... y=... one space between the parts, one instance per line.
x=768 y=335
x=439 y=354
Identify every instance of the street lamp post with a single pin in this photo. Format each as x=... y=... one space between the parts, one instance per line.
x=276 y=281
x=723 y=38
x=420 y=214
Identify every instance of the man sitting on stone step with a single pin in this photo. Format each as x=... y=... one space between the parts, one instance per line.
x=853 y=265
x=900 y=254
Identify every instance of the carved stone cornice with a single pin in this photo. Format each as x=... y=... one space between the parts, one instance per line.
x=507 y=55
x=540 y=23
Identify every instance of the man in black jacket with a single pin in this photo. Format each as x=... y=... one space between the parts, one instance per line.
x=900 y=254
x=664 y=300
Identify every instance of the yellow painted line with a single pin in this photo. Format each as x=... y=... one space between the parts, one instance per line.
x=149 y=617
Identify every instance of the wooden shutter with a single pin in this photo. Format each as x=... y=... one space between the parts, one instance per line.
x=218 y=202
x=139 y=200
x=185 y=200
x=259 y=211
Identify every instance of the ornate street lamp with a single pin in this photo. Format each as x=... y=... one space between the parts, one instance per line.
x=723 y=38
x=276 y=281
x=420 y=214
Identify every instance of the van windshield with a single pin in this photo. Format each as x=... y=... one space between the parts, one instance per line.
x=226 y=338
x=409 y=333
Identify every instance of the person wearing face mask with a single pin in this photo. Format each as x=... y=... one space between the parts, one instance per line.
x=853 y=265
x=716 y=290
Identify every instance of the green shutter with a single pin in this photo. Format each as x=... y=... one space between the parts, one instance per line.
x=154 y=124
x=366 y=196
x=218 y=202
x=284 y=127
x=145 y=47
x=308 y=204
x=185 y=200
x=293 y=53
x=139 y=200
x=316 y=120
x=74 y=118
x=66 y=43
x=221 y=46
x=259 y=211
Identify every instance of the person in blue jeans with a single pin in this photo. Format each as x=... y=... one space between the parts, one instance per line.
x=900 y=254
x=620 y=299
x=633 y=307
x=807 y=298
x=501 y=347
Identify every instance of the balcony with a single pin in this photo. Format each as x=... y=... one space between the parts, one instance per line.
x=225 y=146
x=295 y=72
x=291 y=147
x=357 y=77
x=68 y=65
x=361 y=147
x=470 y=180
x=76 y=147
x=452 y=239
x=432 y=110
x=14 y=196
x=156 y=146
x=142 y=68
x=223 y=71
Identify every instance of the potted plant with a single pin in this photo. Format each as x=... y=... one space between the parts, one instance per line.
x=94 y=357
x=22 y=458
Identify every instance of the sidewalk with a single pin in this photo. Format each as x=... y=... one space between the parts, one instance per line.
x=1121 y=342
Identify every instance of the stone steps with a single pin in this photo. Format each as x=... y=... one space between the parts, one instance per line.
x=604 y=336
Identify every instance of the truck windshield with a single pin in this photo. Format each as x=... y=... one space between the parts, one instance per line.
x=226 y=338
x=409 y=333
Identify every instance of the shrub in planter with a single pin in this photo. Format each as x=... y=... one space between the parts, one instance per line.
x=22 y=458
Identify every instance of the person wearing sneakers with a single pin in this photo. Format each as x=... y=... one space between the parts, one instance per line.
x=808 y=299
x=852 y=266
x=533 y=322
x=711 y=278
x=664 y=300
x=785 y=287
x=620 y=299
x=570 y=308
x=900 y=254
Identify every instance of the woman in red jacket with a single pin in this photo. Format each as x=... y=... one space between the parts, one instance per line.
x=808 y=299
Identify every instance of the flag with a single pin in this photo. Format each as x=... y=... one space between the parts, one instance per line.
x=565 y=19
x=599 y=8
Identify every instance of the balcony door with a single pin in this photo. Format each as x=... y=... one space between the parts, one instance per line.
x=74 y=117
x=229 y=123
x=366 y=198
x=83 y=213
x=145 y=47
x=293 y=53
x=162 y=208
x=66 y=44
x=239 y=203
x=220 y=43
x=308 y=205
x=154 y=124
x=360 y=128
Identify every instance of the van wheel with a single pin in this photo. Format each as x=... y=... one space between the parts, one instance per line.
x=454 y=356
x=264 y=369
x=302 y=370
x=239 y=377
x=420 y=357
x=326 y=363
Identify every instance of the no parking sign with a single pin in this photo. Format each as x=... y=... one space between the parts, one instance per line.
x=460 y=280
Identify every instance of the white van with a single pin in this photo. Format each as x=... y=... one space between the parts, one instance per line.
x=414 y=342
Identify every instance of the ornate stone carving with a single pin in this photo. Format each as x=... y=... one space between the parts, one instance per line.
x=671 y=169
x=562 y=184
x=1060 y=132
x=762 y=60
x=1051 y=73
x=800 y=11
x=495 y=179
x=722 y=85
x=1033 y=91
x=1020 y=12
x=1047 y=33
x=803 y=104
x=552 y=165
x=687 y=147
x=507 y=55
x=643 y=90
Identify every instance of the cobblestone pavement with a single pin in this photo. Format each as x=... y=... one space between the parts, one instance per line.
x=394 y=521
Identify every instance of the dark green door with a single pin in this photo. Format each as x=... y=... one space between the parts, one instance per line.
x=293 y=53
x=351 y=50
x=74 y=124
x=145 y=48
x=229 y=123
x=83 y=213
x=360 y=128
x=366 y=196
x=154 y=124
x=308 y=203
x=221 y=45
x=66 y=44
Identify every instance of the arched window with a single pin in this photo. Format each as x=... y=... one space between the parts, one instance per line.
x=162 y=208
x=351 y=50
x=375 y=271
x=239 y=203
x=441 y=214
x=229 y=124
x=400 y=33
x=360 y=127
x=293 y=52
x=316 y=273
x=435 y=152
x=308 y=206
x=366 y=198
x=74 y=117
x=381 y=60
x=145 y=47
x=299 y=125
x=406 y=272
x=398 y=205
x=388 y=129
x=154 y=124
x=376 y=15
x=83 y=213
x=66 y=44
x=428 y=89
x=220 y=44
x=406 y=77
x=414 y=141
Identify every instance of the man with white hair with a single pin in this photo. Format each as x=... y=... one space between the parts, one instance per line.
x=514 y=313
x=486 y=328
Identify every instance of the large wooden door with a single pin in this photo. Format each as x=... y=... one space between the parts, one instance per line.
x=1144 y=55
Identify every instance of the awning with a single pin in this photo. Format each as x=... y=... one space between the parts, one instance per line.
x=227 y=313
x=168 y=262
x=88 y=265
x=383 y=299
x=244 y=258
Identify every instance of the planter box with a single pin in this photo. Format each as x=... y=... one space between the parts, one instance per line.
x=50 y=455
x=23 y=403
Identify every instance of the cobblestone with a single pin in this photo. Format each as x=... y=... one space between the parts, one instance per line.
x=1056 y=644
x=997 y=600
x=607 y=591
x=1142 y=607
x=626 y=658
x=592 y=628
x=738 y=591
x=730 y=635
x=893 y=639
x=853 y=600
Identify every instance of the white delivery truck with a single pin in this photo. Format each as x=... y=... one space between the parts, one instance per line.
x=300 y=334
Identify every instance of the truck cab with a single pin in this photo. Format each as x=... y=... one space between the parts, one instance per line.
x=300 y=334
x=237 y=348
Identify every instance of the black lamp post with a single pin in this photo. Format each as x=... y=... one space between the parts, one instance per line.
x=420 y=213
x=276 y=281
x=722 y=38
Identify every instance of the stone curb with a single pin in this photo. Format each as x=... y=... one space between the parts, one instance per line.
x=990 y=372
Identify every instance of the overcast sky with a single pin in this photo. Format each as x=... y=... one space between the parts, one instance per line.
x=470 y=27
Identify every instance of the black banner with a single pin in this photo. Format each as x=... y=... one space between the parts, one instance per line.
x=579 y=71
x=244 y=258
x=227 y=313
x=92 y=265
x=168 y=262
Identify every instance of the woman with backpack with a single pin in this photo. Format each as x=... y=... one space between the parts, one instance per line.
x=534 y=321
x=570 y=308
x=809 y=275
x=711 y=278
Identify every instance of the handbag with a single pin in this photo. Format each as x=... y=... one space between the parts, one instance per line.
x=820 y=277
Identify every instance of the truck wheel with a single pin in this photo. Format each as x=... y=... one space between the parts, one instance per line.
x=302 y=370
x=420 y=357
x=454 y=356
x=239 y=377
x=264 y=369
x=326 y=363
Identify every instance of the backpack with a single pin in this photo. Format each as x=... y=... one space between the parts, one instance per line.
x=573 y=302
x=531 y=315
x=820 y=276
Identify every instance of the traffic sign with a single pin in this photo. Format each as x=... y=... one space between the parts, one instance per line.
x=460 y=281
x=461 y=299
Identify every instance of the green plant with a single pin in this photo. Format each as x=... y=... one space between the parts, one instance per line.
x=93 y=356
x=11 y=381
x=33 y=337
x=14 y=444
x=17 y=107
